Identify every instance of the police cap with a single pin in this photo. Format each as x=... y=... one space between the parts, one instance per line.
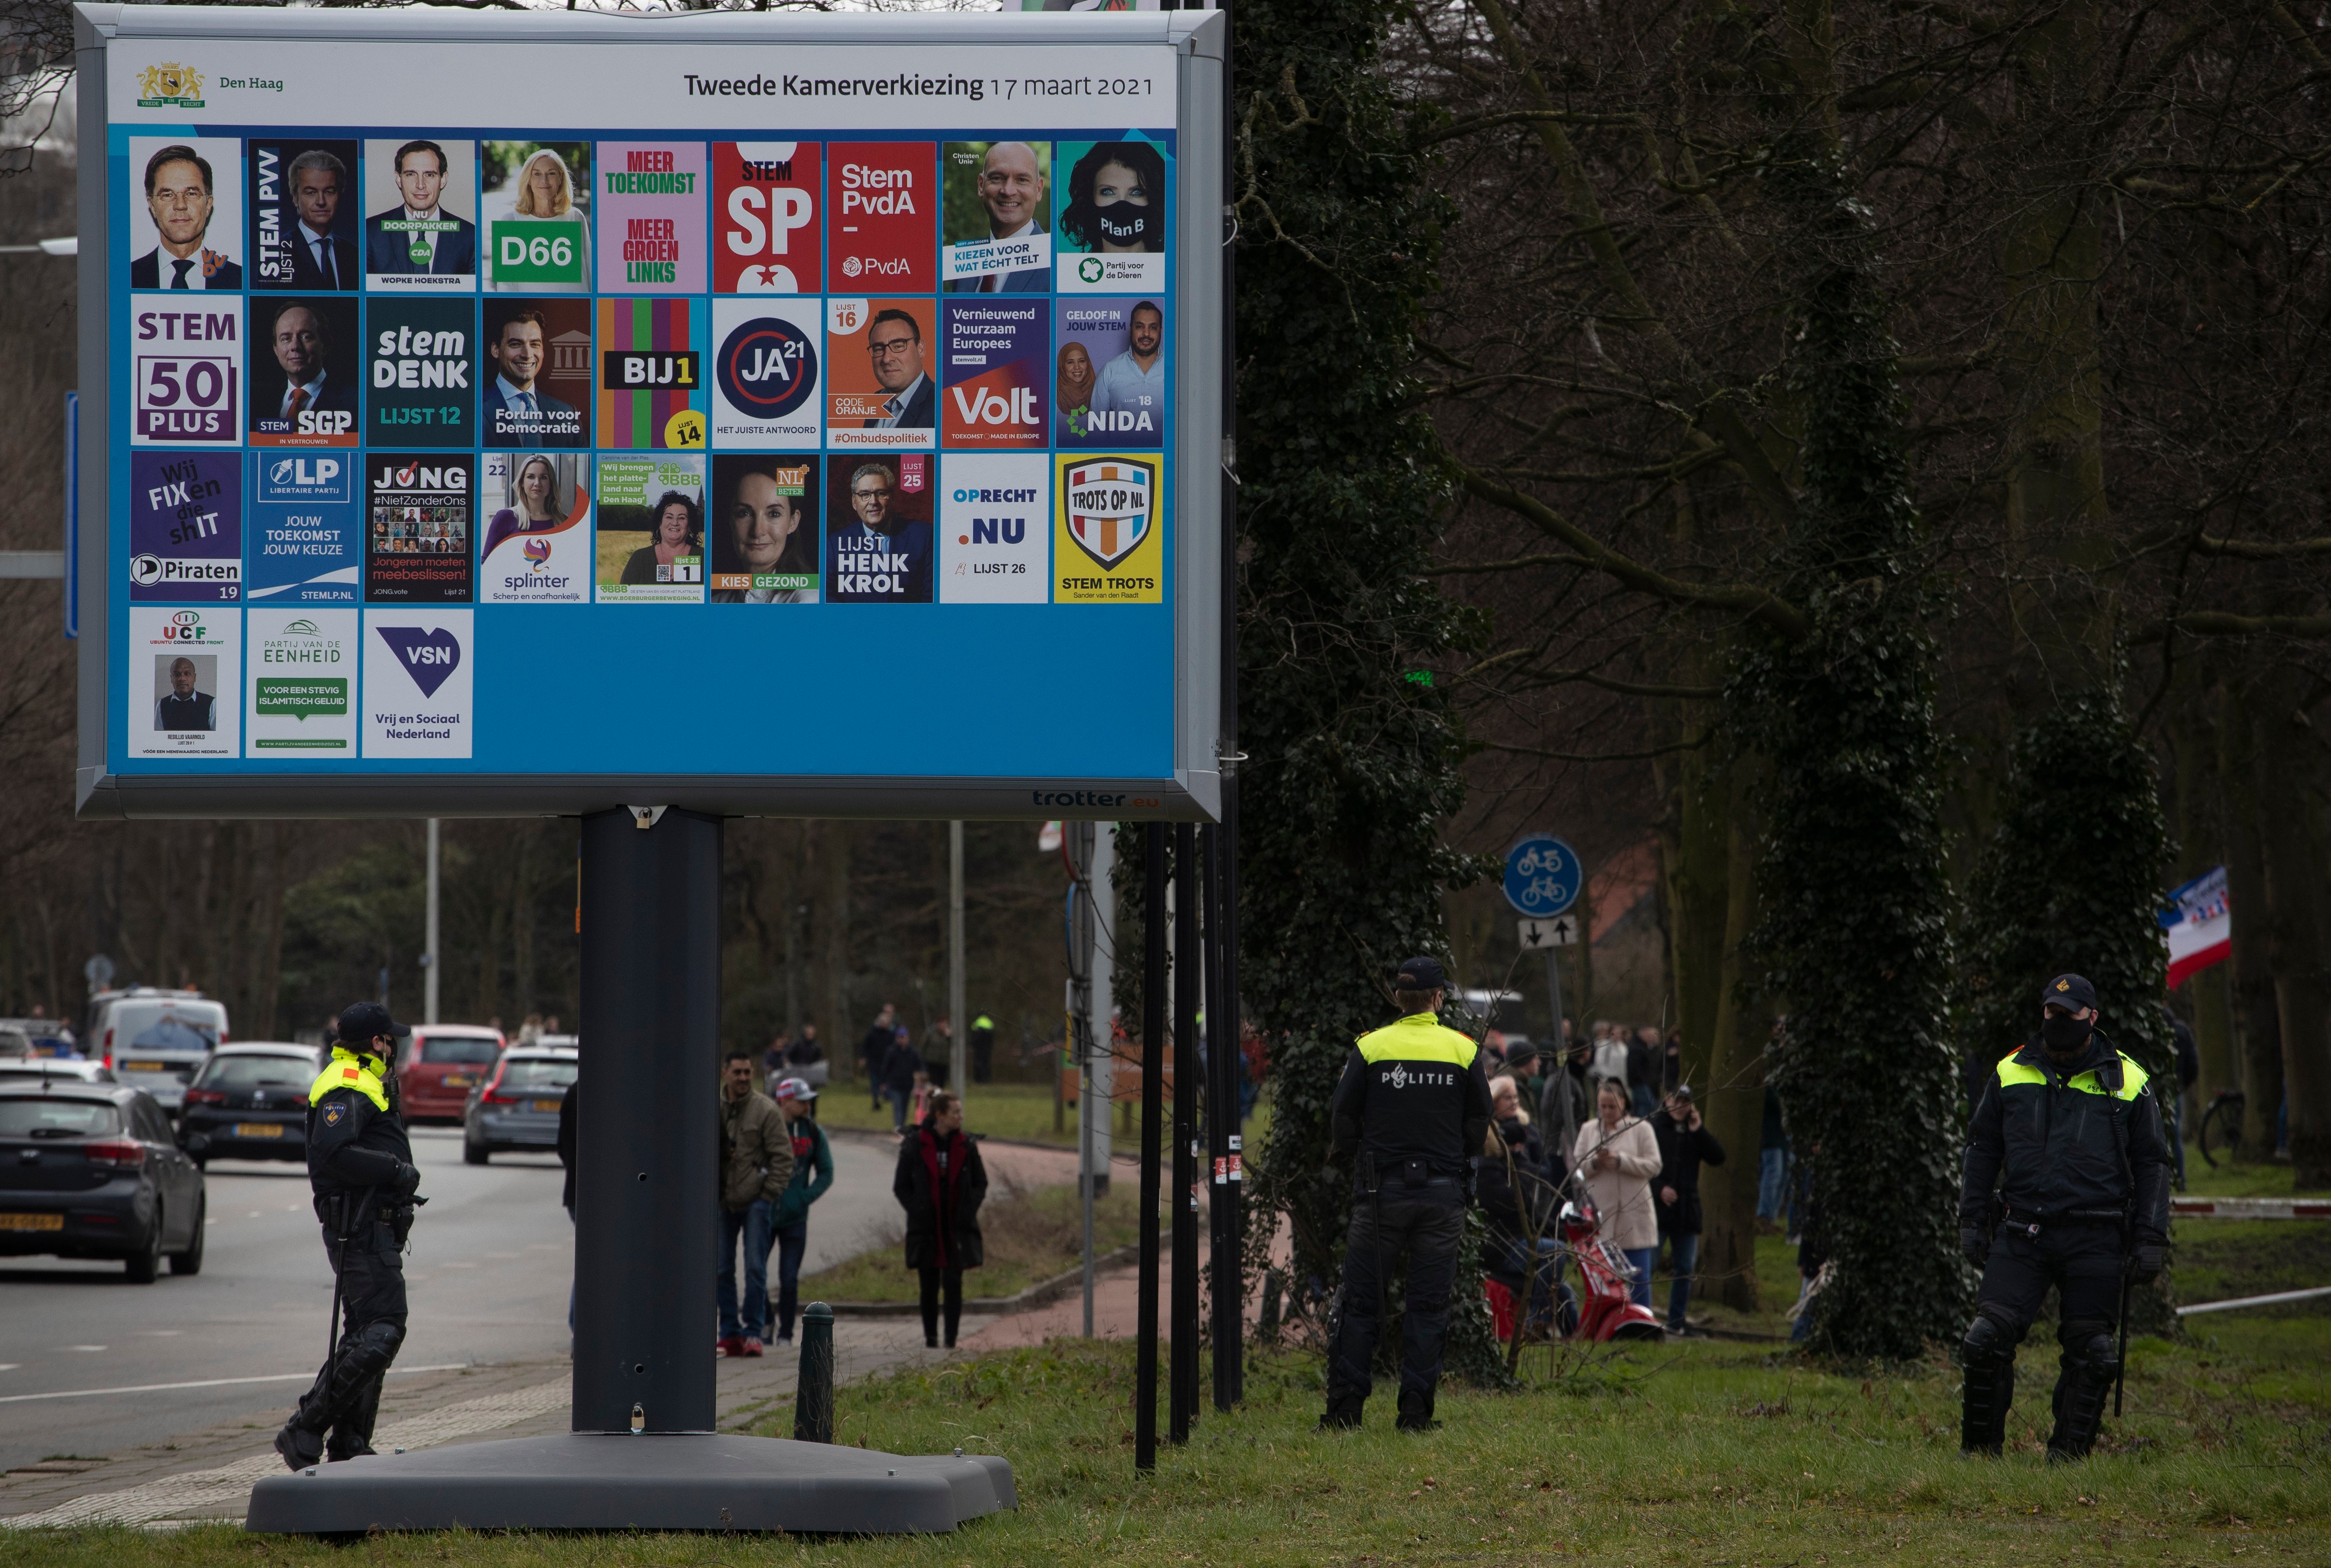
x=1420 y=975
x=2069 y=992
x=362 y=1023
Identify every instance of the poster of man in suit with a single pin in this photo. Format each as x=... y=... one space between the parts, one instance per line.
x=303 y=216
x=416 y=239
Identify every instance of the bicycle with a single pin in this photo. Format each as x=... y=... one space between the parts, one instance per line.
x=2225 y=1112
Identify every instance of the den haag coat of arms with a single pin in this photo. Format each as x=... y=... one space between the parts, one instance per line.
x=171 y=86
x=1109 y=507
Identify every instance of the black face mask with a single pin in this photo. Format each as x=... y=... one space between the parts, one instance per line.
x=2063 y=1033
x=1122 y=222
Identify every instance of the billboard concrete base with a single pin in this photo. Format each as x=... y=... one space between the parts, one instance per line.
x=653 y=1481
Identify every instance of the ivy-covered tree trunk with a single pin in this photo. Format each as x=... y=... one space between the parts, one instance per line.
x=1855 y=931
x=1351 y=753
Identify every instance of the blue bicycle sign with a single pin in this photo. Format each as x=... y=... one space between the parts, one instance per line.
x=1543 y=876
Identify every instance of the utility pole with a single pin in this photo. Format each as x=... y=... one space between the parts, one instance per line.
x=1153 y=1107
x=429 y=959
x=958 y=1073
x=1187 y=965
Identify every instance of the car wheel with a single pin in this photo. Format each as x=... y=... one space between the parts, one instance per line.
x=190 y=1261
x=474 y=1153
x=145 y=1266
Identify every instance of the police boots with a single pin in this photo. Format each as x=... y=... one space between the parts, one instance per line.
x=2080 y=1391
x=1990 y=1362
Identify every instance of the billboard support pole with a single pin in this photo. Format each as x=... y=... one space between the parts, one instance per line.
x=429 y=959
x=1153 y=1109
x=1188 y=962
x=958 y=1073
x=1230 y=1285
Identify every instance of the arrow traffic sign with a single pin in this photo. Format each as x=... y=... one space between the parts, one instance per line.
x=1562 y=931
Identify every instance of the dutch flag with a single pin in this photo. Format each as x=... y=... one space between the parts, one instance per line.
x=2199 y=924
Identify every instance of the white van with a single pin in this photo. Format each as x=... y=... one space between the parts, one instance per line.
x=156 y=1039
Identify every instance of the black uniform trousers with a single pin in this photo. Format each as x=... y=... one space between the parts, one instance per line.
x=1426 y=1224
x=2083 y=1260
x=346 y=1398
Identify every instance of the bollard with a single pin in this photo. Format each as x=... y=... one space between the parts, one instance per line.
x=814 y=1386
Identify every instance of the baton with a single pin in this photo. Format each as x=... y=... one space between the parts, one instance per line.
x=2120 y=1366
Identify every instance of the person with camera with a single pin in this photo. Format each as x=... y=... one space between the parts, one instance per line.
x=360 y=1169
x=1410 y=1112
x=2066 y=1183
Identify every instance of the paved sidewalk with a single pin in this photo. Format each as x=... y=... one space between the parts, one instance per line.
x=208 y=1475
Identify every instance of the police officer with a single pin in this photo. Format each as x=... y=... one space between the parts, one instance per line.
x=360 y=1166
x=1413 y=1106
x=2067 y=1133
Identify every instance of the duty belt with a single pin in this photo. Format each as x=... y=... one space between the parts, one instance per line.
x=2032 y=1224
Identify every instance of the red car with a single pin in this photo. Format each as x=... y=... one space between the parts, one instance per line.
x=441 y=1064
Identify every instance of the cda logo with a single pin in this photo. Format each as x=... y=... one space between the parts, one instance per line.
x=767 y=368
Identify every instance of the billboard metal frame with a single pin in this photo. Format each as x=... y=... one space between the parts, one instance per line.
x=1192 y=792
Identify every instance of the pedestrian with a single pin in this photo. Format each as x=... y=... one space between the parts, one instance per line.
x=1620 y=1156
x=530 y=1030
x=983 y=1049
x=1409 y=1113
x=773 y=1061
x=1563 y=1102
x=1771 y=1166
x=941 y=1183
x=1610 y=1052
x=756 y=1165
x=812 y=1175
x=1671 y=1062
x=875 y=1049
x=1685 y=1144
x=568 y=1109
x=1644 y=1070
x=1516 y=1201
x=938 y=1052
x=2065 y=1184
x=805 y=1059
x=361 y=1174
x=901 y=1075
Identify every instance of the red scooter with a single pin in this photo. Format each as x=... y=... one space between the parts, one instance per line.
x=1608 y=1311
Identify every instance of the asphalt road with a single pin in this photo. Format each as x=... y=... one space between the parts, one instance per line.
x=491 y=1262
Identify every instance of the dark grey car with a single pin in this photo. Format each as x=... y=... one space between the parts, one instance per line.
x=92 y=1170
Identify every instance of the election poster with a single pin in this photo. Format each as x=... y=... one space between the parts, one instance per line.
x=305 y=529
x=994 y=537
x=1107 y=541
x=303 y=371
x=998 y=351
x=651 y=374
x=302 y=674
x=185 y=370
x=1110 y=234
x=535 y=381
x=417 y=548
x=878 y=538
x=764 y=530
x=420 y=682
x=997 y=212
x=421 y=215
x=1109 y=376
x=536 y=196
x=765 y=215
x=537 y=529
x=882 y=391
x=650 y=217
x=650 y=547
x=881 y=216
x=185 y=677
x=186 y=231
x=420 y=355
x=767 y=373
x=303 y=216
x=185 y=528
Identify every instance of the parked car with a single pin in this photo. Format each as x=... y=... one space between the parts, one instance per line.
x=517 y=1106
x=158 y=1039
x=91 y=1170
x=438 y=1067
x=250 y=1102
x=50 y=1070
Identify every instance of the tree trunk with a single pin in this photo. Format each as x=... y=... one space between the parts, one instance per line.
x=1735 y=1091
x=2256 y=1009
x=2296 y=925
x=1694 y=855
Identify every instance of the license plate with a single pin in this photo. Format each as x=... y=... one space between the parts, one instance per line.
x=145 y=1067
x=32 y=1222
x=454 y=1080
x=550 y=1105
x=258 y=1130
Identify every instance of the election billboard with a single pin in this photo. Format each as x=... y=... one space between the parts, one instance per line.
x=450 y=427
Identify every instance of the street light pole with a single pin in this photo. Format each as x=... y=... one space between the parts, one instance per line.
x=958 y=1076
x=429 y=959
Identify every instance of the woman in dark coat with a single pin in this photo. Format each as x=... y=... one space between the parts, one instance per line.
x=940 y=1183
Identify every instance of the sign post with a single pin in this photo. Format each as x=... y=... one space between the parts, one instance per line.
x=854 y=366
x=1543 y=880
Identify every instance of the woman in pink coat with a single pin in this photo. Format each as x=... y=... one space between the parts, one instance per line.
x=1621 y=1155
